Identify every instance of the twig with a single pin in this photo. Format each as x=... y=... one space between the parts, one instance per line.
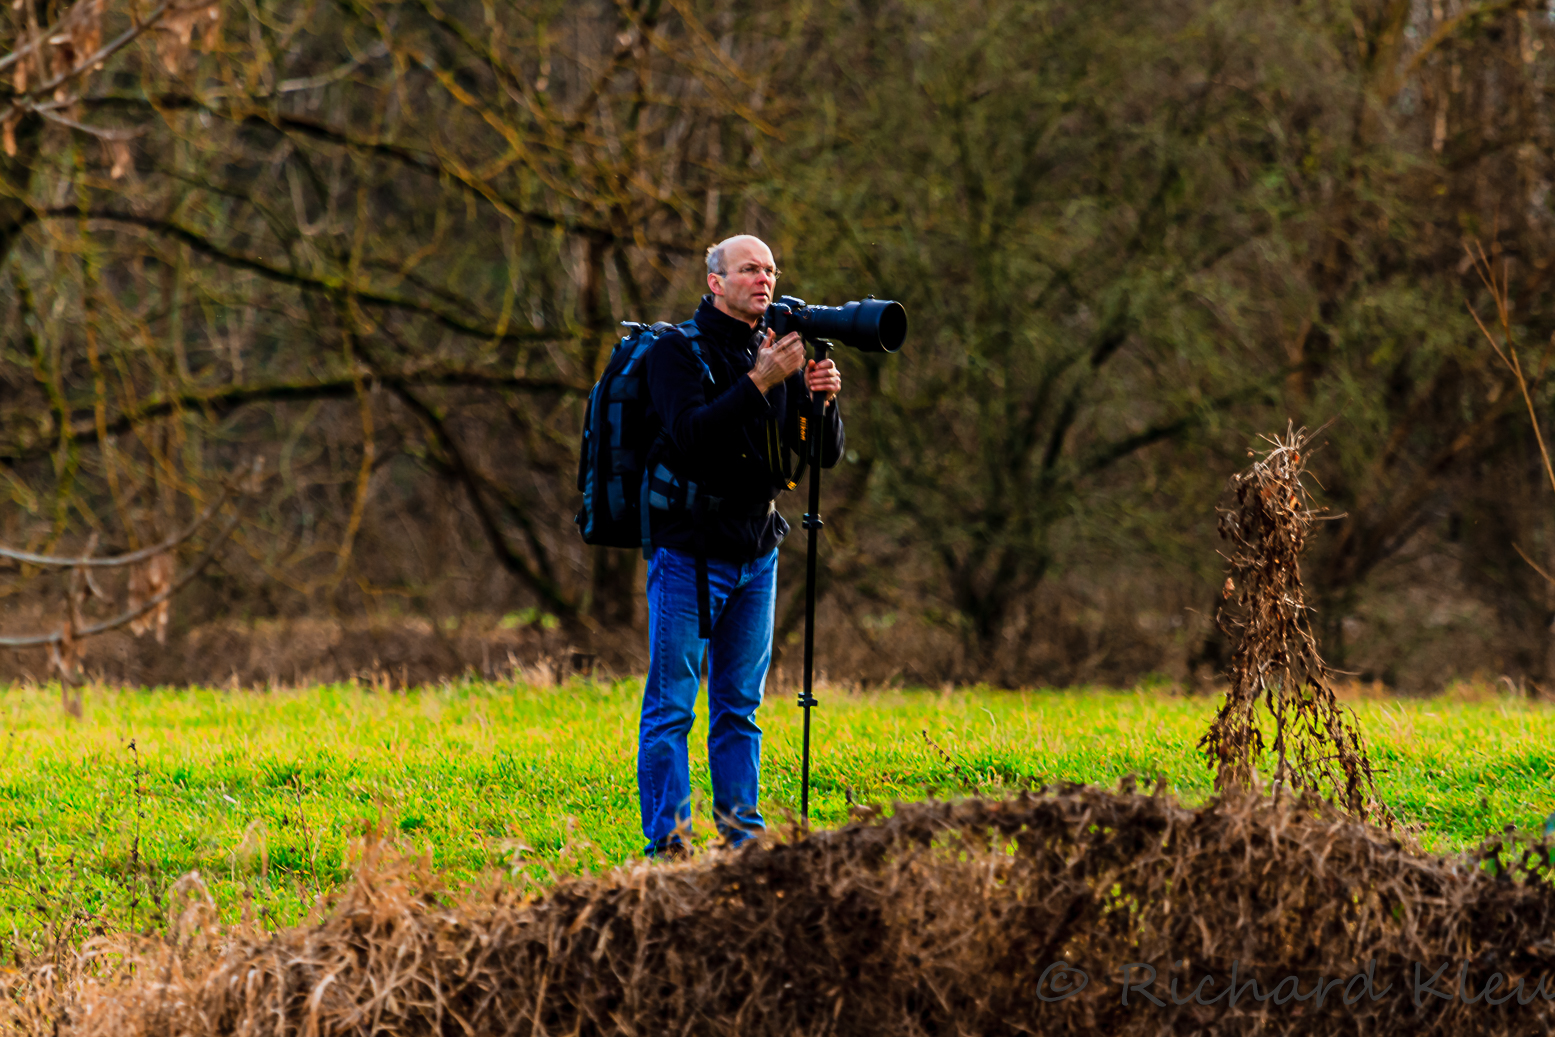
x=966 y=780
x=103 y=53
x=1499 y=293
x=1536 y=566
x=307 y=836
x=135 y=846
x=52 y=31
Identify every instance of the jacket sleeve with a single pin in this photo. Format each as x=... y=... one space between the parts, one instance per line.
x=834 y=443
x=678 y=390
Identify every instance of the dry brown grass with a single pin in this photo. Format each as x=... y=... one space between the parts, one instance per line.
x=941 y=919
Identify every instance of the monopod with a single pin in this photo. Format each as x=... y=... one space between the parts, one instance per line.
x=812 y=525
x=873 y=326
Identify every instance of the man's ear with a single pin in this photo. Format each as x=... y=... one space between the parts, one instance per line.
x=712 y=283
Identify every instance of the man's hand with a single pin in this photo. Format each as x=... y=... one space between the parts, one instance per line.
x=823 y=377
x=775 y=361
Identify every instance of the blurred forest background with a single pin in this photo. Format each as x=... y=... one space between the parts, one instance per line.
x=382 y=247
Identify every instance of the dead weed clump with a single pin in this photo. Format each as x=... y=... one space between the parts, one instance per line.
x=1317 y=744
x=977 y=917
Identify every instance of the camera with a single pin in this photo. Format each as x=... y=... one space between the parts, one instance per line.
x=871 y=326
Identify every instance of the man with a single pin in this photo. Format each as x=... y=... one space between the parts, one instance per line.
x=727 y=427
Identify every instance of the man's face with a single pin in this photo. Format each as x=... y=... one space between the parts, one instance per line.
x=745 y=289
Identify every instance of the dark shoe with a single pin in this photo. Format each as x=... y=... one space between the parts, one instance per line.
x=674 y=851
x=733 y=840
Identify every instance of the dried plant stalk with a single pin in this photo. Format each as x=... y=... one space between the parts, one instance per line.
x=1317 y=744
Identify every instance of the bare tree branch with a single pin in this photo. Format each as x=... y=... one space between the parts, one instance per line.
x=459 y=467
x=103 y=53
x=73 y=631
x=420 y=160
x=38 y=640
x=330 y=286
x=32 y=44
x=224 y=400
x=117 y=561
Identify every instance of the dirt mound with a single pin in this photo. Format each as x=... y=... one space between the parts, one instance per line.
x=976 y=917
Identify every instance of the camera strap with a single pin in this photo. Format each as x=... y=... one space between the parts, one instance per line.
x=790 y=473
x=777 y=458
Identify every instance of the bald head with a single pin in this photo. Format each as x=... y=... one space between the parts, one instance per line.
x=741 y=275
x=718 y=255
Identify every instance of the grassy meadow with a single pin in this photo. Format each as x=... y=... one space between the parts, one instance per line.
x=265 y=793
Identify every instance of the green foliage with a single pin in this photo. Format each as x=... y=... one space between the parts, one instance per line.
x=265 y=794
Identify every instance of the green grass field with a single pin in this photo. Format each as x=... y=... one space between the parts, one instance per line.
x=264 y=793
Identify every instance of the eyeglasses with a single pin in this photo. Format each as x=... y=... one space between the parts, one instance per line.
x=752 y=269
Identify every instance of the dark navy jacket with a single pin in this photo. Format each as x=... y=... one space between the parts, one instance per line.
x=719 y=436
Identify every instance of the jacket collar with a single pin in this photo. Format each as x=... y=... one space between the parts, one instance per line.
x=722 y=328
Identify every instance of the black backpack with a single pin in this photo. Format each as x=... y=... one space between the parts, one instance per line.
x=618 y=447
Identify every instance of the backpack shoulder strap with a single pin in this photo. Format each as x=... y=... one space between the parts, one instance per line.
x=693 y=332
x=639 y=342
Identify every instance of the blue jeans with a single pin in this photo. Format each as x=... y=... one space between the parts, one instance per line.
x=742 y=599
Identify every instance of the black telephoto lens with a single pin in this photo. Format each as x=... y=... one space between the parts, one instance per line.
x=871 y=326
